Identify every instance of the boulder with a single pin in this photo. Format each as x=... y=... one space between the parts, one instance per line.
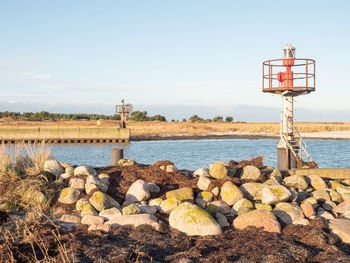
x=103 y=228
x=250 y=172
x=342 y=207
x=100 y=201
x=74 y=219
x=126 y=162
x=183 y=194
x=169 y=204
x=203 y=182
x=69 y=196
x=230 y=193
x=321 y=195
x=201 y=172
x=69 y=170
x=89 y=220
x=252 y=191
x=288 y=213
x=274 y=194
x=335 y=196
x=312 y=201
x=85 y=169
x=80 y=204
x=222 y=220
x=193 y=220
x=53 y=167
x=241 y=204
x=155 y=203
x=328 y=205
x=343 y=189
x=138 y=191
x=317 y=182
x=77 y=183
x=131 y=209
x=334 y=184
x=134 y=220
x=203 y=198
x=296 y=181
x=153 y=188
x=276 y=175
x=220 y=170
x=218 y=207
x=90 y=187
x=170 y=168
x=341 y=228
x=324 y=214
x=307 y=208
x=258 y=218
x=147 y=209
x=65 y=176
x=216 y=191
x=110 y=214
x=263 y=206
x=88 y=209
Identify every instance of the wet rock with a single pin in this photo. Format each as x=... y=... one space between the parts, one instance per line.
x=69 y=196
x=230 y=193
x=135 y=220
x=201 y=172
x=169 y=204
x=341 y=228
x=53 y=167
x=252 y=191
x=324 y=214
x=76 y=219
x=296 y=181
x=131 y=209
x=258 y=218
x=317 y=182
x=153 y=188
x=328 y=205
x=146 y=209
x=243 y=203
x=85 y=169
x=307 y=208
x=274 y=194
x=288 y=213
x=250 y=172
x=110 y=214
x=90 y=220
x=138 y=191
x=203 y=182
x=183 y=194
x=193 y=220
x=222 y=220
x=218 y=207
x=220 y=170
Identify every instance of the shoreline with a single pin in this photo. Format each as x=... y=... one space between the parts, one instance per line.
x=334 y=135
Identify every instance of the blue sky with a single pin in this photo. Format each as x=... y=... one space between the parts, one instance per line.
x=85 y=56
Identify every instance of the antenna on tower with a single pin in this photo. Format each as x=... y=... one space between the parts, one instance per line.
x=123 y=110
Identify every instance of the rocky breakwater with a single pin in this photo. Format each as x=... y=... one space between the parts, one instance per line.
x=203 y=202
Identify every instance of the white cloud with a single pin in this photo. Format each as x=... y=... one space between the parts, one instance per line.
x=32 y=75
x=12 y=101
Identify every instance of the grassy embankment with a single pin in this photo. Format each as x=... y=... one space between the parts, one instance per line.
x=149 y=129
x=25 y=187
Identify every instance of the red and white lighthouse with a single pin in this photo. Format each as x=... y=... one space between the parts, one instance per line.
x=289 y=77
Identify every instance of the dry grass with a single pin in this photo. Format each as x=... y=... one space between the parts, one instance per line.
x=140 y=129
x=22 y=183
x=33 y=239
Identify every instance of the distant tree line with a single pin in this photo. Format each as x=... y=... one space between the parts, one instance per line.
x=134 y=116
x=44 y=115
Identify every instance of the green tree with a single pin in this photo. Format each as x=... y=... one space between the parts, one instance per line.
x=139 y=116
x=195 y=118
x=229 y=119
x=218 y=119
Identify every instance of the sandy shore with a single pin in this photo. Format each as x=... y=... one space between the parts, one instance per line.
x=341 y=135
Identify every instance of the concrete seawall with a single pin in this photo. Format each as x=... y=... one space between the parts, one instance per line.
x=64 y=135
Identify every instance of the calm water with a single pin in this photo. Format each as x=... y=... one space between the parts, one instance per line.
x=192 y=154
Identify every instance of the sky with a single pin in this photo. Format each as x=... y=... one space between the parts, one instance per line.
x=175 y=58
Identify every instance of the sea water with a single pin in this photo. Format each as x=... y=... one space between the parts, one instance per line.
x=193 y=154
